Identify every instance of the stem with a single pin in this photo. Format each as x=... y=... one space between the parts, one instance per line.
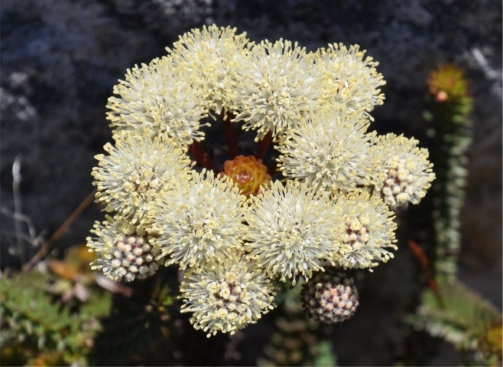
x=230 y=135
x=263 y=146
x=60 y=231
x=16 y=184
x=418 y=252
x=202 y=157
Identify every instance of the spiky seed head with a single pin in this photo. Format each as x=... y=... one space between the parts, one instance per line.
x=209 y=54
x=161 y=99
x=330 y=297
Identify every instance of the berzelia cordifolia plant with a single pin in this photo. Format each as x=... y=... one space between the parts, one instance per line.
x=318 y=195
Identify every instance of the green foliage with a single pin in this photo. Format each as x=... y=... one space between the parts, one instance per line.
x=461 y=317
x=37 y=327
x=63 y=317
x=28 y=311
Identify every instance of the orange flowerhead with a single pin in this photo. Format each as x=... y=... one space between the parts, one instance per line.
x=448 y=82
x=249 y=173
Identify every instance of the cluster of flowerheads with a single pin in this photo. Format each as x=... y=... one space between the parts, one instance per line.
x=326 y=205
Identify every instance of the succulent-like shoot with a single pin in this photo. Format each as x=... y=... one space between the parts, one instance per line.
x=295 y=341
x=464 y=319
x=138 y=329
x=36 y=327
x=449 y=133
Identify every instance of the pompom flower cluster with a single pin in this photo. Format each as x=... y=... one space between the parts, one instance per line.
x=319 y=194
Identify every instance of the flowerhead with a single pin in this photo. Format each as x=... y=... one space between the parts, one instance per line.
x=330 y=153
x=275 y=88
x=135 y=171
x=160 y=99
x=199 y=221
x=124 y=251
x=405 y=173
x=227 y=297
x=448 y=82
x=249 y=174
x=291 y=229
x=234 y=232
x=209 y=55
x=368 y=228
x=351 y=79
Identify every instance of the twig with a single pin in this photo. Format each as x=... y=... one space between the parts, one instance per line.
x=25 y=237
x=16 y=183
x=418 y=252
x=32 y=237
x=59 y=232
x=112 y=286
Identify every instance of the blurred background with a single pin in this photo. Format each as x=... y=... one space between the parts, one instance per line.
x=61 y=58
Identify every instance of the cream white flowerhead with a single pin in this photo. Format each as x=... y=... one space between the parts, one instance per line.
x=275 y=88
x=291 y=229
x=208 y=55
x=159 y=98
x=314 y=107
x=351 y=79
x=199 y=221
x=331 y=153
x=405 y=173
x=135 y=171
x=124 y=251
x=368 y=228
x=227 y=297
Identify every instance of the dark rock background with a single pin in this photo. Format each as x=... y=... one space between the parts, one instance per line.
x=60 y=59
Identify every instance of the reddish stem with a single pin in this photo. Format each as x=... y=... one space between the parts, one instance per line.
x=230 y=135
x=418 y=252
x=201 y=156
x=263 y=146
